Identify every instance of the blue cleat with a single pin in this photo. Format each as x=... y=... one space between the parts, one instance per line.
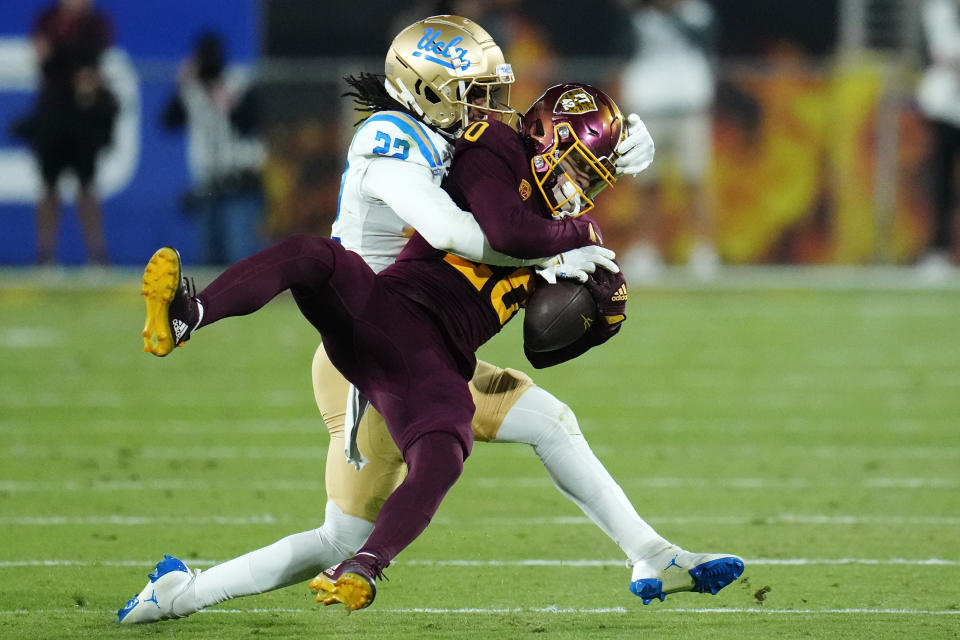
x=675 y=570
x=168 y=581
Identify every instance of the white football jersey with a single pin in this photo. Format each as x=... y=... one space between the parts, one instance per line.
x=417 y=159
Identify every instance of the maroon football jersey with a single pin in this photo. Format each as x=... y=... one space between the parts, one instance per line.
x=490 y=176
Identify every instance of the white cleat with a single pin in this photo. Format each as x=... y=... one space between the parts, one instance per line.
x=675 y=570
x=168 y=581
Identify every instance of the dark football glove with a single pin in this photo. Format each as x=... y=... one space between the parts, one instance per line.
x=609 y=290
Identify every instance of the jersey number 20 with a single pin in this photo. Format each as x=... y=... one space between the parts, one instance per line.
x=506 y=288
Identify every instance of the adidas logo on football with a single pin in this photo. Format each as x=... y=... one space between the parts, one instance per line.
x=179 y=328
x=620 y=295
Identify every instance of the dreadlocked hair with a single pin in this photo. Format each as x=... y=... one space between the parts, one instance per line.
x=371 y=96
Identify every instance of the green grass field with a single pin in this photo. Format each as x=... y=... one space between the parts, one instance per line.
x=813 y=431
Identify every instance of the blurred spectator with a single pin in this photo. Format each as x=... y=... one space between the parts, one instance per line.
x=670 y=83
x=939 y=99
x=73 y=118
x=223 y=152
x=523 y=41
x=301 y=177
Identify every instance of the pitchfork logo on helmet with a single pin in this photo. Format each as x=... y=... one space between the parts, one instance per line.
x=573 y=129
x=575 y=101
x=449 y=71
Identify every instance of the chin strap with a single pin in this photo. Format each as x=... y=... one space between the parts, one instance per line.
x=403 y=96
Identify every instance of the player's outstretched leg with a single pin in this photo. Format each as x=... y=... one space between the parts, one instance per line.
x=351 y=583
x=168 y=581
x=171 y=311
x=674 y=570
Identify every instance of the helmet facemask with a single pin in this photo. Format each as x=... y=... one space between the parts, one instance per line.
x=483 y=97
x=569 y=175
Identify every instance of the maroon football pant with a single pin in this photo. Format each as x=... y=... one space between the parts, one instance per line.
x=387 y=346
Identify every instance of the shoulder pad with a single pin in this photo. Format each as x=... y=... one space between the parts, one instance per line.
x=394 y=134
x=495 y=136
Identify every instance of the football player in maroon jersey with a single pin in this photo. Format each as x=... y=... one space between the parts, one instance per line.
x=353 y=581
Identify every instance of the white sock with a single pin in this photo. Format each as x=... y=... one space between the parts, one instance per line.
x=540 y=420
x=199 y=315
x=286 y=562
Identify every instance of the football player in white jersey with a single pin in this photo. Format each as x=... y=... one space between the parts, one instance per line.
x=439 y=73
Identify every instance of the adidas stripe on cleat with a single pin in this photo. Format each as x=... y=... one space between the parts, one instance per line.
x=676 y=570
x=349 y=583
x=171 y=312
x=169 y=580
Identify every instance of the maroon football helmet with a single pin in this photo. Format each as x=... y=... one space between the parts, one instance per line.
x=574 y=129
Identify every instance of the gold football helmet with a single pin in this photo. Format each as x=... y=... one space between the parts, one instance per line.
x=444 y=68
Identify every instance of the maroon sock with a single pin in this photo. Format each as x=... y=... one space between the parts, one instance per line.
x=434 y=462
x=299 y=261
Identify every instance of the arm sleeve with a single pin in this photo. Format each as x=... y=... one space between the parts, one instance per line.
x=512 y=225
x=410 y=191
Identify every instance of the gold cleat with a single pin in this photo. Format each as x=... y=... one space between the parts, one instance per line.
x=353 y=590
x=163 y=289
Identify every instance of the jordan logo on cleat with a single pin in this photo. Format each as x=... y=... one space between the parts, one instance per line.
x=153 y=599
x=179 y=328
x=673 y=563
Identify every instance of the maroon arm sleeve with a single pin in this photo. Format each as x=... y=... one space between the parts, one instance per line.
x=481 y=182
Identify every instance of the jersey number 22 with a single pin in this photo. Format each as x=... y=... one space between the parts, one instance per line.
x=384 y=146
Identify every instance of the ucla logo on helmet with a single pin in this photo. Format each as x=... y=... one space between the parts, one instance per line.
x=575 y=101
x=447 y=54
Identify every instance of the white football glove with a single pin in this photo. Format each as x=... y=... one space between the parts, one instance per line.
x=578 y=264
x=636 y=150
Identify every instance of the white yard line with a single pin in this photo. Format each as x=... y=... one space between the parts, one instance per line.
x=70 y=452
x=269 y=519
x=54 y=521
x=106 y=426
x=491 y=483
x=853 y=452
x=753 y=562
x=549 y=610
x=531 y=562
x=785 y=518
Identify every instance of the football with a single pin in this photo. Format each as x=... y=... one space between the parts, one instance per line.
x=557 y=315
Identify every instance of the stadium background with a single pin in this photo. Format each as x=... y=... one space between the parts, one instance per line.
x=820 y=152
